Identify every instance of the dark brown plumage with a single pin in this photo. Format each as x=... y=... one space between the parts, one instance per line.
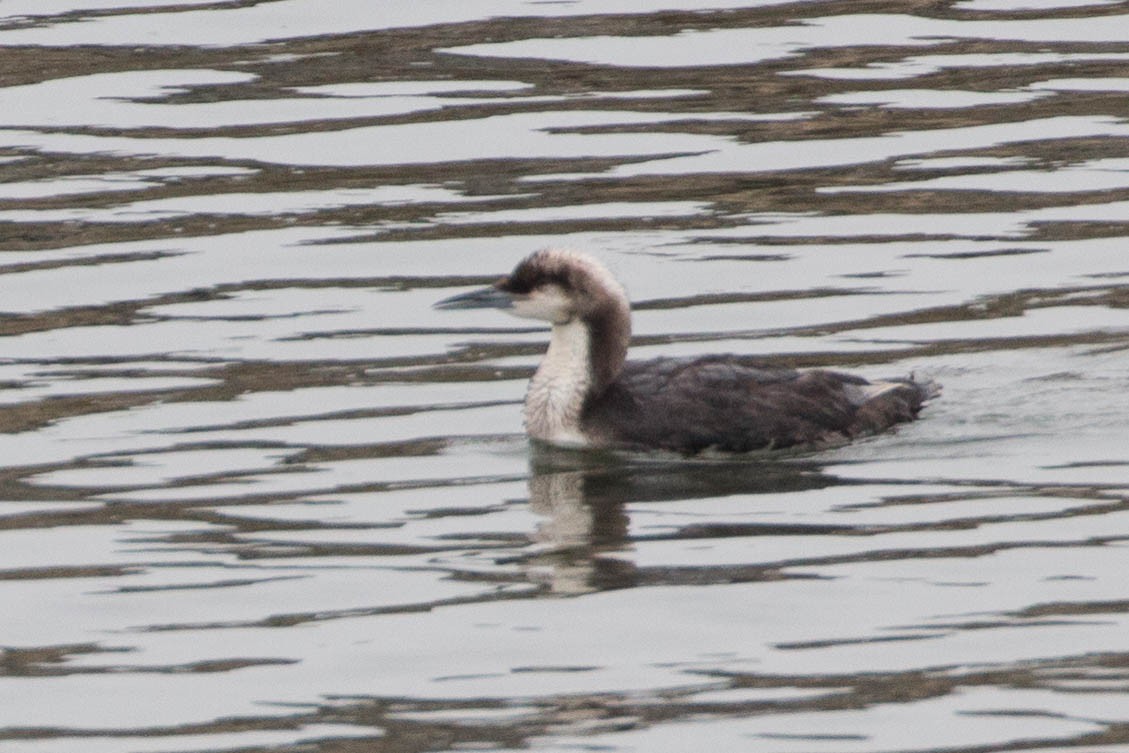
x=733 y=405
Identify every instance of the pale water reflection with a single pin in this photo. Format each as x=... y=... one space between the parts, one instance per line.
x=256 y=494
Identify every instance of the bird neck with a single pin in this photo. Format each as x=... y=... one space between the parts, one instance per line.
x=585 y=356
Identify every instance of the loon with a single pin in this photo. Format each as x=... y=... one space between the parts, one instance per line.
x=586 y=393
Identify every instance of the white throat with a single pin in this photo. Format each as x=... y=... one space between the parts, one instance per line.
x=556 y=393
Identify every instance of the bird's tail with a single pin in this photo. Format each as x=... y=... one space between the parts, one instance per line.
x=926 y=388
x=892 y=401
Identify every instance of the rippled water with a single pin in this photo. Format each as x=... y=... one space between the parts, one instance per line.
x=256 y=494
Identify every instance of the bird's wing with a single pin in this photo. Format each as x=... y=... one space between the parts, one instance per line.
x=723 y=402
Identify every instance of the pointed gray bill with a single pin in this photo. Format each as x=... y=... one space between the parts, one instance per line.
x=483 y=298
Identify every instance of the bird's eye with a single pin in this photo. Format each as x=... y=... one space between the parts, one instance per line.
x=514 y=286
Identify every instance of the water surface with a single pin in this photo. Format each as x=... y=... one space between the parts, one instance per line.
x=256 y=494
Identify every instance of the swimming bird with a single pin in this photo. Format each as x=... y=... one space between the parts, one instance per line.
x=586 y=393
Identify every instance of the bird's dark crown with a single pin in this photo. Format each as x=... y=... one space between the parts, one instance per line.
x=539 y=270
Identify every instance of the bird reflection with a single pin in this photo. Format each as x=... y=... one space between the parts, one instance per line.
x=583 y=498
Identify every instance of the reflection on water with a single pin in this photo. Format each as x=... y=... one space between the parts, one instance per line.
x=255 y=494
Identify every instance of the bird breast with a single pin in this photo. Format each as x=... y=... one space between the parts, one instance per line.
x=555 y=400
